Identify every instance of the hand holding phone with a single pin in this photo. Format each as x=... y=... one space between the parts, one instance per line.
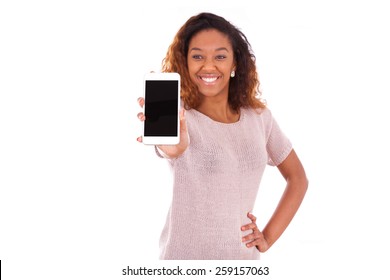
x=164 y=134
x=161 y=110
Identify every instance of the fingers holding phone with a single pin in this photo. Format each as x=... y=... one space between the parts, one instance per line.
x=163 y=122
x=171 y=151
x=141 y=103
x=140 y=115
x=161 y=109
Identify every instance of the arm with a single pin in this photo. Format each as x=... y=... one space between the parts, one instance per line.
x=297 y=183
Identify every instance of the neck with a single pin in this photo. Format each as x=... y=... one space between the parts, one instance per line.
x=219 y=111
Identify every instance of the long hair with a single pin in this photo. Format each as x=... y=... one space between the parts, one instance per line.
x=244 y=88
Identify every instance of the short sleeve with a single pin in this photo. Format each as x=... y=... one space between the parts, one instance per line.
x=278 y=145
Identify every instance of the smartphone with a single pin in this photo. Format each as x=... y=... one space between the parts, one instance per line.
x=161 y=109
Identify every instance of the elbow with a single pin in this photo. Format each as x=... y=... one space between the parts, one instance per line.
x=302 y=179
x=304 y=183
x=300 y=184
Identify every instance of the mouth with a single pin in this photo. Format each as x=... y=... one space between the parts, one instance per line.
x=209 y=79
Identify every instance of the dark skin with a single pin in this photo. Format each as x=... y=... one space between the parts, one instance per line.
x=297 y=183
x=210 y=63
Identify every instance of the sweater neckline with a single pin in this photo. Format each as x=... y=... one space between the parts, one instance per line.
x=208 y=119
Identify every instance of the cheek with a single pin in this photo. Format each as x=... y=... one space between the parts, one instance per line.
x=192 y=71
x=227 y=68
x=191 y=68
x=192 y=78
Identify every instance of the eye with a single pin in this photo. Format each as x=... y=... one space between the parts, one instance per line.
x=197 y=57
x=220 y=57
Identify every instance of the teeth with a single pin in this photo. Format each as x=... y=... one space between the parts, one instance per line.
x=209 y=79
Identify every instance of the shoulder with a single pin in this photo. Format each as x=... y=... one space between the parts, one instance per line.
x=261 y=118
x=260 y=114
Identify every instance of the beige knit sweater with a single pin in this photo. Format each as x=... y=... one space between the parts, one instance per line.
x=215 y=183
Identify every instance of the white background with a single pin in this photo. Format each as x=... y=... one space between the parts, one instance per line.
x=81 y=199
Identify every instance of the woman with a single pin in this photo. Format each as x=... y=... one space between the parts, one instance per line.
x=227 y=137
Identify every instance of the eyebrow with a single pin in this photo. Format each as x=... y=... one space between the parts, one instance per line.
x=218 y=49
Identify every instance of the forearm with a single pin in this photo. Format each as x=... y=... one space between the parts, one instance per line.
x=286 y=209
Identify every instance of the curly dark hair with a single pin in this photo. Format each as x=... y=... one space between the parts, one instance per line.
x=244 y=88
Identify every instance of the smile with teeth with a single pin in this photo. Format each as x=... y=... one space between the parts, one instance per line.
x=209 y=79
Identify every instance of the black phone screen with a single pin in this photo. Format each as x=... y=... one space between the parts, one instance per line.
x=161 y=108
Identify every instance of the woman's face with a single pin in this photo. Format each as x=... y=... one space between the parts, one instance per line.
x=210 y=61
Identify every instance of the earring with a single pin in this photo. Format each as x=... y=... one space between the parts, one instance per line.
x=232 y=74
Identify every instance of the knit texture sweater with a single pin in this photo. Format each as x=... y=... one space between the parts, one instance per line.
x=215 y=184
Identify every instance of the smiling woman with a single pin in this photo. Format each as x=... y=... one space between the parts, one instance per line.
x=227 y=137
x=211 y=65
x=215 y=33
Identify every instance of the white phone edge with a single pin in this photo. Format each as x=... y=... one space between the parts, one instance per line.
x=162 y=140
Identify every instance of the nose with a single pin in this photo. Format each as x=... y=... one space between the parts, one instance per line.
x=208 y=64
